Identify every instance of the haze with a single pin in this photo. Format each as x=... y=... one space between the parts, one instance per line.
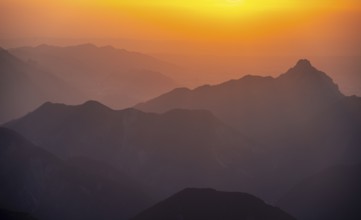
x=212 y=40
x=276 y=27
x=169 y=109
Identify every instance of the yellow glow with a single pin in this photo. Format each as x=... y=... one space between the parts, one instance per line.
x=230 y=24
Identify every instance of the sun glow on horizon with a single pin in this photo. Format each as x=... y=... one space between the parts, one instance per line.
x=244 y=23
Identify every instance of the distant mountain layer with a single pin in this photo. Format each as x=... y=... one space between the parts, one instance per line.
x=36 y=182
x=115 y=77
x=302 y=110
x=24 y=87
x=195 y=204
x=328 y=195
x=166 y=151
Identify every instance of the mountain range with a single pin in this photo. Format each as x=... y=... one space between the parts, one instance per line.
x=275 y=138
x=37 y=182
x=301 y=116
x=115 y=77
x=166 y=152
x=275 y=126
x=258 y=106
x=24 y=86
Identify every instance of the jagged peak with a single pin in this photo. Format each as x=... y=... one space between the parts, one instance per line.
x=303 y=63
x=308 y=77
x=304 y=68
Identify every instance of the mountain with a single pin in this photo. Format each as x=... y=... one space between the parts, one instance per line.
x=115 y=77
x=36 y=182
x=192 y=204
x=331 y=194
x=299 y=116
x=165 y=152
x=258 y=106
x=24 y=86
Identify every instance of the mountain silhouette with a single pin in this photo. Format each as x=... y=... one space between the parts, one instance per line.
x=193 y=204
x=331 y=194
x=300 y=117
x=36 y=182
x=115 y=77
x=165 y=152
x=257 y=105
x=24 y=86
x=264 y=108
x=281 y=130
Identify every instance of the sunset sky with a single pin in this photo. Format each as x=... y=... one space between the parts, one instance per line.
x=212 y=26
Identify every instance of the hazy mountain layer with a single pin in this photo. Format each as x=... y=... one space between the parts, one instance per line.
x=24 y=87
x=301 y=116
x=115 y=77
x=295 y=125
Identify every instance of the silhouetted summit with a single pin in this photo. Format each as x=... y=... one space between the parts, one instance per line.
x=304 y=63
x=93 y=105
x=304 y=67
x=299 y=116
x=196 y=204
x=258 y=105
x=310 y=78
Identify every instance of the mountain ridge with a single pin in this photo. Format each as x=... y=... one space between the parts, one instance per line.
x=24 y=86
x=104 y=73
x=153 y=147
x=299 y=116
x=196 y=203
x=39 y=183
x=302 y=68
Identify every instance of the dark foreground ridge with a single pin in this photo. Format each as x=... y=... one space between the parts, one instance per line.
x=195 y=204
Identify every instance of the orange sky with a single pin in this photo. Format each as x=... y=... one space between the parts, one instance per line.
x=271 y=27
